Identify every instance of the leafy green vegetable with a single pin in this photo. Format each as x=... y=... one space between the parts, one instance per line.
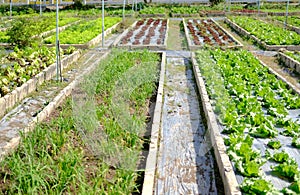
x=247 y=161
x=257 y=186
x=292 y=20
x=185 y=10
x=293 y=189
x=265 y=130
x=281 y=157
x=250 y=102
x=288 y=169
x=274 y=144
x=296 y=142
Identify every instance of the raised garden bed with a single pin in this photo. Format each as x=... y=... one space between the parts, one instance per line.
x=290 y=59
x=43 y=24
x=247 y=12
x=256 y=114
x=291 y=13
x=84 y=34
x=185 y=11
x=201 y=32
x=20 y=75
x=150 y=12
x=269 y=36
x=211 y=13
x=293 y=22
x=146 y=33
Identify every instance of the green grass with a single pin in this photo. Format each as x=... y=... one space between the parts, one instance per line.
x=87 y=148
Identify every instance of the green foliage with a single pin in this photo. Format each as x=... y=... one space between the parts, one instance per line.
x=288 y=169
x=280 y=157
x=247 y=161
x=185 y=10
x=274 y=144
x=242 y=91
x=153 y=10
x=292 y=20
x=293 y=54
x=31 y=27
x=296 y=142
x=267 y=32
x=22 y=64
x=215 y=2
x=16 y=10
x=83 y=32
x=258 y=186
x=293 y=189
x=22 y=32
x=55 y=159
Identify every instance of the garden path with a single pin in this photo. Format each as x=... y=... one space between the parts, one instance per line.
x=185 y=163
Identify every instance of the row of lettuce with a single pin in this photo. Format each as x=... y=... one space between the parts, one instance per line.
x=252 y=104
x=78 y=33
x=268 y=32
x=93 y=152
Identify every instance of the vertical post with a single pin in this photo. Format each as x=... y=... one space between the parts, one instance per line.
x=132 y=5
x=10 y=8
x=229 y=5
x=258 y=7
x=102 y=23
x=57 y=45
x=40 y=7
x=123 y=13
x=286 y=13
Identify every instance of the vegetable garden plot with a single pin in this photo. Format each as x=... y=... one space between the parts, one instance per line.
x=39 y=26
x=146 y=33
x=211 y=13
x=69 y=152
x=185 y=11
x=247 y=12
x=208 y=32
x=293 y=22
x=268 y=35
x=23 y=70
x=85 y=34
x=259 y=119
x=153 y=12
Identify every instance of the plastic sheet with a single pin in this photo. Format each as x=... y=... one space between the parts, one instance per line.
x=185 y=164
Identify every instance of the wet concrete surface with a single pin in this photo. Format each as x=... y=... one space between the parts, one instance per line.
x=185 y=164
